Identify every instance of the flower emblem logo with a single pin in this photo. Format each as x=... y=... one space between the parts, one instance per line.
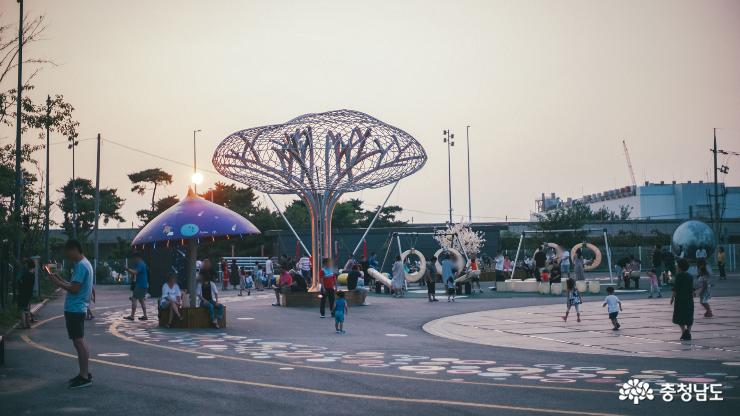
x=635 y=390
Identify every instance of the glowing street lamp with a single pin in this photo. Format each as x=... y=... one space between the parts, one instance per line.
x=197 y=178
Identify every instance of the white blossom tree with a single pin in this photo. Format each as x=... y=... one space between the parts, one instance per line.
x=472 y=241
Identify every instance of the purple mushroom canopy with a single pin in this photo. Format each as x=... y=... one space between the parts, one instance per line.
x=194 y=217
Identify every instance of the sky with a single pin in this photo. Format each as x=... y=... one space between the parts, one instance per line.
x=549 y=88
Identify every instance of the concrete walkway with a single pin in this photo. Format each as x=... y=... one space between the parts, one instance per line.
x=646 y=330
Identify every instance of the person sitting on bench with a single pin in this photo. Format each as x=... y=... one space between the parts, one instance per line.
x=356 y=282
x=208 y=296
x=171 y=298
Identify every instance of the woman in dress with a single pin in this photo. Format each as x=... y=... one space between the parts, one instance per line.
x=683 y=300
x=578 y=266
x=398 y=277
x=574 y=299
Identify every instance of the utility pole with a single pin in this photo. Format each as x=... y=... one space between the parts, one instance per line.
x=18 y=112
x=72 y=144
x=448 y=137
x=470 y=203
x=46 y=205
x=97 y=211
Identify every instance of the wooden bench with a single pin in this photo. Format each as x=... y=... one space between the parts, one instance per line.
x=193 y=318
x=312 y=299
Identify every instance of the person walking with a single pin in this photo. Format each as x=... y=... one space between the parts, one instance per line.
x=657 y=263
x=431 y=280
x=141 y=286
x=704 y=293
x=340 y=310
x=79 y=290
x=721 y=263
x=683 y=299
x=234 y=276
x=328 y=286
x=25 y=292
x=398 y=278
x=574 y=299
x=614 y=306
x=448 y=276
x=578 y=265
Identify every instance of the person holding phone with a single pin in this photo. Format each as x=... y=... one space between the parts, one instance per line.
x=79 y=290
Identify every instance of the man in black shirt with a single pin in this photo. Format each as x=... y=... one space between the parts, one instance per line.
x=540 y=260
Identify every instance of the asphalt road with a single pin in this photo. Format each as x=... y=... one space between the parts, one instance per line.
x=286 y=361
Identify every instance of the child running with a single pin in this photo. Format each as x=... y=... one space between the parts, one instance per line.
x=340 y=309
x=574 y=299
x=704 y=293
x=654 y=285
x=614 y=306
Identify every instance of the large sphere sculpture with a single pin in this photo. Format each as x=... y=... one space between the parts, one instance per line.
x=320 y=157
x=690 y=236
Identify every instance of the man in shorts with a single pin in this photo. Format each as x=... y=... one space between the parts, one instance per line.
x=79 y=290
x=141 y=286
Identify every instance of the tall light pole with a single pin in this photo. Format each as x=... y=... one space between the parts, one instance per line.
x=72 y=144
x=449 y=138
x=48 y=176
x=470 y=203
x=18 y=112
x=195 y=164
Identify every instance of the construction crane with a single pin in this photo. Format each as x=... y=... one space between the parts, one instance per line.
x=629 y=164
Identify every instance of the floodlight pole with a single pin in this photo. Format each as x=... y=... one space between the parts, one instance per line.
x=18 y=130
x=448 y=138
x=470 y=203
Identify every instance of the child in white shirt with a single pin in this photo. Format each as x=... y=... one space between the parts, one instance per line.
x=614 y=306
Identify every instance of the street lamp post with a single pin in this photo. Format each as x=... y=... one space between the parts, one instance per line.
x=195 y=164
x=72 y=144
x=18 y=204
x=48 y=176
x=470 y=203
x=449 y=138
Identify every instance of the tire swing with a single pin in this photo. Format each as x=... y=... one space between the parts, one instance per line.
x=417 y=275
x=596 y=262
x=459 y=262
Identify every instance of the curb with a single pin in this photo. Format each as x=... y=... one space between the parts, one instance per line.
x=34 y=309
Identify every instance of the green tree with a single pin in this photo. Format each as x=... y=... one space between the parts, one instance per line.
x=162 y=205
x=110 y=206
x=297 y=214
x=144 y=180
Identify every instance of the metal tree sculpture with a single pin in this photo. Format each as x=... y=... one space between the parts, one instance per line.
x=320 y=157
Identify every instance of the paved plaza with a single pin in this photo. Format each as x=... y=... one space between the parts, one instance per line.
x=646 y=330
x=271 y=360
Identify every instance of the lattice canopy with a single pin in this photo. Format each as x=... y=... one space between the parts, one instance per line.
x=334 y=152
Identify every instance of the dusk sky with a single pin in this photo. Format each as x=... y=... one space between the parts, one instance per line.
x=549 y=88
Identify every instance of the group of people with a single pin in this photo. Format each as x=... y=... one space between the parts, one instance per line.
x=547 y=266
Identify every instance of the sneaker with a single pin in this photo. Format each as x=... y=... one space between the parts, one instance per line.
x=129 y=318
x=615 y=329
x=89 y=376
x=143 y=318
x=322 y=316
x=80 y=382
x=338 y=331
x=619 y=326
